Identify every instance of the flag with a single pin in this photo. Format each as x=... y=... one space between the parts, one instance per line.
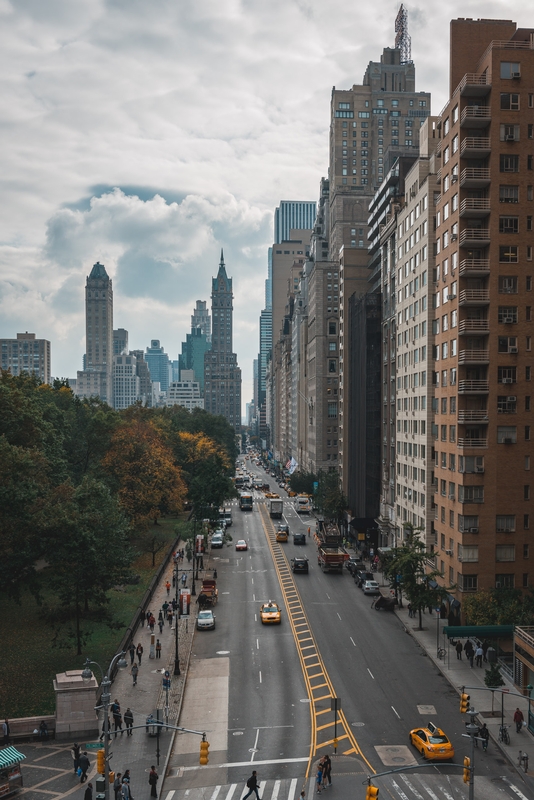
x=292 y=466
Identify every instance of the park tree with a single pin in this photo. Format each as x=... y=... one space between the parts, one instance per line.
x=330 y=498
x=500 y=606
x=142 y=469
x=303 y=482
x=206 y=471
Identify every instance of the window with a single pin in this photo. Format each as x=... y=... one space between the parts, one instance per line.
x=467 y=583
x=510 y=101
x=505 y=552
x=332 y=410
x=507 y=314
x=509 y=163
x=508 y=224
x=471 y=494
x=507 y=284
x=510 y=69
x=505 y=405
x=471 y=464
x=504 y=581
x=505 y=523
x=468 y=553
x=526 y=492
x=468 y=524
x=506 y=434
x=332 y=328
x=509 y=133
x=509 y=194
x=508 y=254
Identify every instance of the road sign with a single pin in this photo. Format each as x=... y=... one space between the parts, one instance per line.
x=93 y=745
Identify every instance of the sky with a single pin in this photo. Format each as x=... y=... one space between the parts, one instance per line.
x=148 y=135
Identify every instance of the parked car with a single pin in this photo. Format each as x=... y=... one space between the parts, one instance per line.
x=217 y=541
x=371 y=587
x=354 y=565
x=362 y=576
x=205 y=620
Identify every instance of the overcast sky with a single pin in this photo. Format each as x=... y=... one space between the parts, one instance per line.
x=148 y=134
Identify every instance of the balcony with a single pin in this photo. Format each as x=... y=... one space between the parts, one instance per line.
x=475 y=117
x=473 y=387
x=473 y=85
x=473 y=357
x=474 y=267
x=438 y=175
x=475 y=178
x=474 y=297
x=474 y=415
x=472 y=443
x=474 y=237
x=475 y=147
x=475 y=207
x=476 y=327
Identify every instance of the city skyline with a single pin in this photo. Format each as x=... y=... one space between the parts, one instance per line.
x=150 y=173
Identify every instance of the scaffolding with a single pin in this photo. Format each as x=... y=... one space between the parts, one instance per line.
x=403 y=41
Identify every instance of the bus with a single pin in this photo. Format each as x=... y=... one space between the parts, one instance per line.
x=245 y=501
x=302 y=504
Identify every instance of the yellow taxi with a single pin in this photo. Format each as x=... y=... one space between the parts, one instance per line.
x=432 y=743
x=270 y=613
x=281 y=536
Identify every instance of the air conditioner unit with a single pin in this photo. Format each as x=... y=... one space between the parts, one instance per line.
x=508 y=441
x=508 y=320
x=516 y=75
x=472 y=530
x=452 y=297
x=507 y=380
x=451 y=497
x=509 y=138
x=454 y=179
x=512 y=399
x=479 y=469
x=513 y=350
x=454 y=237
x=448 y=552
x=460 y=559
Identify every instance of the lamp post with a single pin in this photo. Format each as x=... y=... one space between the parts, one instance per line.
x=176 y=618
x=87 y=675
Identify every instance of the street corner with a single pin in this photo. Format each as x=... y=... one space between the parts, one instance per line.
x=396 y=755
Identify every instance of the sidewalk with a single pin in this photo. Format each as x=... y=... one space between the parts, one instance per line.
x=459 y=673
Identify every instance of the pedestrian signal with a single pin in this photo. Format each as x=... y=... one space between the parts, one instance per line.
x=464 y=703
x=111 y=777
x=371 y=793
x=101 y=761
x=204 y=751
x=467 y=768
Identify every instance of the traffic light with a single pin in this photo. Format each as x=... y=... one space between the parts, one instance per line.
x=111 y=777
x=464 y=703
x=101 y=761
x=204 y=751
x=371 y=793
x=467 y=769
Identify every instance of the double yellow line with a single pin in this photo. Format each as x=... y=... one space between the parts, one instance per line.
x=329 y=728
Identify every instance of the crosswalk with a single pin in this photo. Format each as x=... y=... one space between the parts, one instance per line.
x=399 y=786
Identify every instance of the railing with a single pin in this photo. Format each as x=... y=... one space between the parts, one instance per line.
x=482 y=113
x=474 y=204
x=473 y=386
x=480 y=265
x=479 y=415
x=474 y=234
x=474 y=174
x=498 y=44
x=474 y=296
x=472 y=79
x=475 y=143
x=475 y=443
x=525 y=633
x=473 y=356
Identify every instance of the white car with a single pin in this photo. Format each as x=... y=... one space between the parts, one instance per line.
x=371 y=587
x=206 y=620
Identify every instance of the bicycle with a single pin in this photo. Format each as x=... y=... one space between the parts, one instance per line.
x=441 y=653
x=504 y=736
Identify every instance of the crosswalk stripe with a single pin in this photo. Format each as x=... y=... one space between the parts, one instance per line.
x=411 y=787
x=231 y=791
x=292 y=789
x=215 y=793
x=170 y=795
x=276 y=789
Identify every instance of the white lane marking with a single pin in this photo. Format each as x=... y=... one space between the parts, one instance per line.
x=257 y=644
x=292 y=789
x=399 y=791
x=255 y=617
x=252 y=579
x=512 y=787
x=260 y=675
x=370 y=673
x=338 y=615
x=231 y=791
x=254 y=598
x=395 y=711
x=411 y=787
x=352 y=640
x=327 y=595
x=170 y=795
x=429 y=790
x=276 y=789
x=215 y=793
x=255 y=749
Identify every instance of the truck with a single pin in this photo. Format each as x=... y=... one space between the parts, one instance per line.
x=331 y=555
x=276 y=507
x=302 y=504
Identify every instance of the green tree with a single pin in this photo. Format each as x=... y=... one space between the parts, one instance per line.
x=302 y=482
x=493 y=679
x=499 y=607
x=330 y=499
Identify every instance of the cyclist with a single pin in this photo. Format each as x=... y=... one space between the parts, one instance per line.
x=518 y=719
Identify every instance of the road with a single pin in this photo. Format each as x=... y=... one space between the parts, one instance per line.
x=386 y=683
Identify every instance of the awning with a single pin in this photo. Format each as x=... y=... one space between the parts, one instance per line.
x=9 y=756
x=479 y=631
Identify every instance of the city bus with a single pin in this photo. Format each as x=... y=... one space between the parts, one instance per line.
x=245 y=501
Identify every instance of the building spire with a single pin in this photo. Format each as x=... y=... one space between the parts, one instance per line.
x=221 y=264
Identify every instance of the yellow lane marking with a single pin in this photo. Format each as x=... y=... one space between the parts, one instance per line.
x=314 y=671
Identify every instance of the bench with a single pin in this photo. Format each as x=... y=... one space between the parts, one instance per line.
x=22 y=729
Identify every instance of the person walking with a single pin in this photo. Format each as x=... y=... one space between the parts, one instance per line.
x=484 y=735
x=117 y=722
x=134 y=673
x=459 y=649
x=479 y=654
x=151 y=623
x=168 y=587
x=184 y=578
x=169 y=617
x=485 y=645
x=117 y=785
x=126 y=793
x=158 y=648
x=148 y=615
x=252 y=785
x=128 y=721
x=518 y=719
x=165 y=608
x=88 y=792
x=75 y=753
x=139 y=652
x=83 y=764
x=327 y=771
x=153 y=778
x=131 y=650
x=6 y=731
x=104 y=728
x=319 y=777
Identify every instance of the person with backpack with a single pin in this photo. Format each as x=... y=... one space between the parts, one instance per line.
x=153 y=778
x=253 y=785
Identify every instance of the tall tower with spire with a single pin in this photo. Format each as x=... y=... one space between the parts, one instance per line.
x=222 y=376
x=96 y=378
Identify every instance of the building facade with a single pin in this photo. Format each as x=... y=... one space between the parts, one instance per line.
x=27 y=354
x=293 y=215
x=126 y=382
x=120 y=341
x=158 y=364
x=97 y=375
x=222 y=375
x=185 y=393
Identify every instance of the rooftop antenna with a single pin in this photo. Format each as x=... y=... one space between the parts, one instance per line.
x=403 y=39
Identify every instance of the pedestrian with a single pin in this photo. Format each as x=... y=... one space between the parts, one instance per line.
x=252 y=785
x=131 y=650
x=43 y=731
x=117 y=721
x=128 y=721
x=169 y=618
x=148 y=615
x=83 y=764
x=135 y=672
x=160 y=624
x=75 y=753
x=117 y=785
x=319 y=776
x=165 y=608
x=479 y=654
x=174 y=604
x=115 y=706
x=309 y=531
x=303 y=795
x=184 y=578
x=459 y=649
x=125 y=789
x=410 y=610
x=158 y=648
x=139 y=652
x=168 y=587
x=153 y=778
x=88 y=792
x=484 y=735
x=151 y=623
x=485 y=645
x=518 y=719
x=6 y=731
x=327 y=771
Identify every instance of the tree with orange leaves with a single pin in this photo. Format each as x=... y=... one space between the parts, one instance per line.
x=206 y=470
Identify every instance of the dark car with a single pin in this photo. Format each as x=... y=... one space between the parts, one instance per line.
x=299 y=564
x=363 y=576
x=354 y=565
x=299 y=538
x=283 y=526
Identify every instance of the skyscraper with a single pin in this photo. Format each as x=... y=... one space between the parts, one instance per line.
x=200 y=318
x=293 y=215
x=196 y=344
x=26 y=354
x=97 y=376
x=222 y=376
x=158 y=364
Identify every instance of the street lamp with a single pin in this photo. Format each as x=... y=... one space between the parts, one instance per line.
x=87 y=675
x=176 y=618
